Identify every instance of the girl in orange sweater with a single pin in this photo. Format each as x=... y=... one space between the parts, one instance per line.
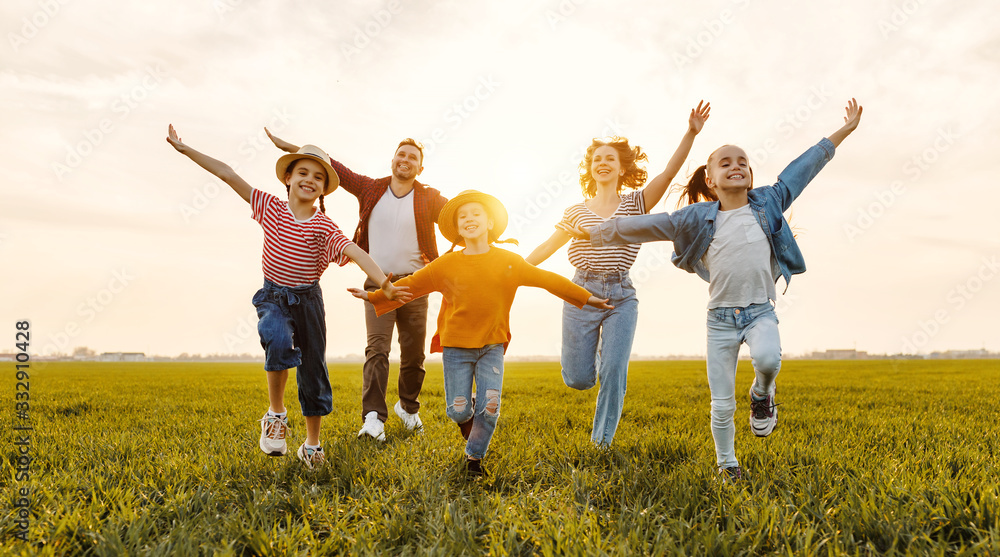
x=478 y=285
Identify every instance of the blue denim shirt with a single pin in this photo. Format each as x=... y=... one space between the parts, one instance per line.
x=692 y=228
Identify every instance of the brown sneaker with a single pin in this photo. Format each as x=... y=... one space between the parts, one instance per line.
x=474 y=468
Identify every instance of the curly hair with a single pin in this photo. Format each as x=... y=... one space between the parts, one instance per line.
x=628 y=156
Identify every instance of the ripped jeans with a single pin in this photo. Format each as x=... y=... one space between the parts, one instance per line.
x=484 y=366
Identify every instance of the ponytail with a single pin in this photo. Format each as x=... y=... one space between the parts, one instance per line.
x=696 y=189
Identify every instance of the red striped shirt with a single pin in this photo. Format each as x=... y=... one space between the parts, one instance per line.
x=296 y=252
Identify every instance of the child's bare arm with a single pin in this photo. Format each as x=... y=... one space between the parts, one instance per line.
x=656 y=187
x=220 y=169
x=281 y=143
x=368 y=265
x=557 y=240
x=851 y=122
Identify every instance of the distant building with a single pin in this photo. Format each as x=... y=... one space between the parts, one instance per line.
x=840 y=355
x=122 y=357
x=961 y=355
x=4 y=357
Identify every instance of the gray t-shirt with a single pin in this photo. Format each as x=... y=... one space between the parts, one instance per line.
x=739 y=261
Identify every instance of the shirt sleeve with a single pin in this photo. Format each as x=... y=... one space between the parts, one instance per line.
x=635 y=230
x=421 y=283
x=556 y=284
x=437 y=203
x=354 y=183
x=260 y=202
x=797 y=175
x=638 y=203
x=336 y=244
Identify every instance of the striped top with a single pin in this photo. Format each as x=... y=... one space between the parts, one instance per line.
x=296 y=252
x=603 y=259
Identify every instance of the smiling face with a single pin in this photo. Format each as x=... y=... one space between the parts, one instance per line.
x=473 y=221
x=407 y=163
x=606 y=167
x=306 y=179
x=729 y=170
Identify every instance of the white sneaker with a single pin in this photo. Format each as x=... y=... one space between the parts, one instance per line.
x=311 y=457
x=272 y=435
x=763 y=414
x=411 y=421
x=373 y=427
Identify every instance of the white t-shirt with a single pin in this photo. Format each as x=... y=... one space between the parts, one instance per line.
x=392 y=234
x=738 y=261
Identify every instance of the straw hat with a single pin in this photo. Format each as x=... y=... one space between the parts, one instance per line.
x=496 y=210
x=308 y=152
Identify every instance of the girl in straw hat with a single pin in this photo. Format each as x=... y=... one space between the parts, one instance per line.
x=478 y=285
x=300 y=242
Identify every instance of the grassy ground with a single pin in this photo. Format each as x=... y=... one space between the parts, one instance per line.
x=872 y=457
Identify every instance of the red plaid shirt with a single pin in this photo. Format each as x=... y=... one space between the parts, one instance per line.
x=427 y=204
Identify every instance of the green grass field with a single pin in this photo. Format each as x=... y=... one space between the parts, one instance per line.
x=869 y=457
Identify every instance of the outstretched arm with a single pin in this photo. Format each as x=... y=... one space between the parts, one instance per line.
x=654 y=191
x=797 y=175
x=368 y=265
x=220 y=169
x=851 y=122
x=281 y=143
x=557 y=240
x=629 y=230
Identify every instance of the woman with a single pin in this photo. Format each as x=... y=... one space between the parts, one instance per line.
x=597 y=342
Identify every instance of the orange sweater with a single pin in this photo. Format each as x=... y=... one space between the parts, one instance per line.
x=478 y=292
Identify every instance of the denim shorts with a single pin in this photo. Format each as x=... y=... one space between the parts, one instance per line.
x=292 y=328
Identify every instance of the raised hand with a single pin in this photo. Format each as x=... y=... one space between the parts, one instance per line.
x=853 y=117
x=281 y=143
x=698 y=116
x=851 y=122
x=173 y=139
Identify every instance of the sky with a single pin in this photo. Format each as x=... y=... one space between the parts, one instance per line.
x=113 y=241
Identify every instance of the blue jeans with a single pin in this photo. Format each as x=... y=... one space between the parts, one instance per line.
x=728 y=328
x=483 y=365
x=292 y=328
x=597 y=343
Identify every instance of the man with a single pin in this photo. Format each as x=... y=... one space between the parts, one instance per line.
x=396 y=227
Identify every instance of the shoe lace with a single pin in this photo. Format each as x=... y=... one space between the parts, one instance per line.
x=734 y=472
x=274 y=427
x=763 y=408
x=315 y=456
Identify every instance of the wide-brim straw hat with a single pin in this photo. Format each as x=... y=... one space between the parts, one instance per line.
x=496 y=210
x=308 y=152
